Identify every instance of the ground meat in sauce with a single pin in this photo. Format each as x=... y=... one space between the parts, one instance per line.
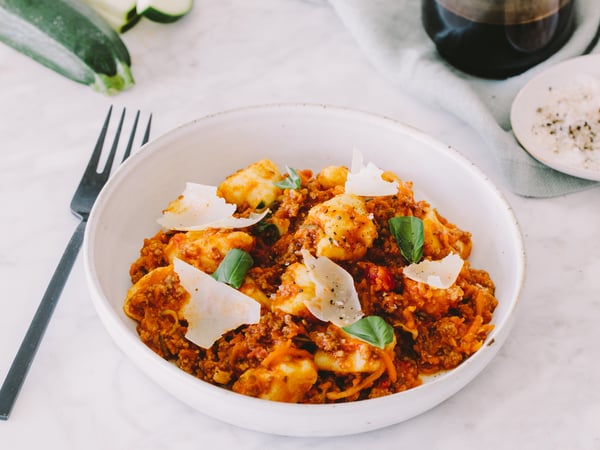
x=435 y=329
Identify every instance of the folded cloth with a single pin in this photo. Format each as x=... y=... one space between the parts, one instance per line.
x=391 y=34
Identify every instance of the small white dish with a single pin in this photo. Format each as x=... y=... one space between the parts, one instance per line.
x=310 y=136
x=565 y=94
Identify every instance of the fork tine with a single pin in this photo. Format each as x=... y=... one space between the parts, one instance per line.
x=113 y=151
x=147 y=132
x=95 y=158
x=131 y=136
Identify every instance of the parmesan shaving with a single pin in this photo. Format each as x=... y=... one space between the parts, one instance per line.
x=213 y=308
x=336 y=299
x=439 y=274
x=199 y=207
x=366 y=180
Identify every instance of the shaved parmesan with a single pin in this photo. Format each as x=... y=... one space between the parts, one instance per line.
x=199 y=207
x=213 y=308
x=366 y=180
x=439 y=274
x=336 y=299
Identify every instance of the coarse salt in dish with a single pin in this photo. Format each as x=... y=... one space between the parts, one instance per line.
x=556 y=117
x=569 y=122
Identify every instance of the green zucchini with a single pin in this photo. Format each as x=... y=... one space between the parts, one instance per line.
x=70 y=38
x=164 y=11
x=120 y=14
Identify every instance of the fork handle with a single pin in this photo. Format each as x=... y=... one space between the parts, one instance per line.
x=24 y=357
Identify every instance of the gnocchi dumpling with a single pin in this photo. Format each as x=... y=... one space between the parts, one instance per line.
x=252 y=187
x=441 y=235
x=295 y=290
x=339 y=352
x=332 y=176
x=286 y=375
x=205 y=249
x=344 y=229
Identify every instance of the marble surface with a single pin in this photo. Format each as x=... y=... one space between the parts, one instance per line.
x=541 y=391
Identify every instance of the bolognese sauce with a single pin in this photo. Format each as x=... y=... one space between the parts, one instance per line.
x=289 y=354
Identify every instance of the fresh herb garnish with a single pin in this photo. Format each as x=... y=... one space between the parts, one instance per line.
x=268 y=231
x=292 y=181
x=233 y=268
x=410 y=236
x=371 y=329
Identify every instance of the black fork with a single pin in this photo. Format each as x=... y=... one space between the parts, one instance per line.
x=89 y=187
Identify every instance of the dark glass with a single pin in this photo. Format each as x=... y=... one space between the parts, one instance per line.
x=497 y=38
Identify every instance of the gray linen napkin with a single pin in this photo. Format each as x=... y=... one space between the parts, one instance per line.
x=391 y=35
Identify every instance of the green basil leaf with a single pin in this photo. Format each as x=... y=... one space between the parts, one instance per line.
x=234 y=267
x=410 y=236
x=268 y=231
x=292 y=181
x=373 y=330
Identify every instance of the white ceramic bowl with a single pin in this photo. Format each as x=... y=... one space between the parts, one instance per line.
x=303 y=136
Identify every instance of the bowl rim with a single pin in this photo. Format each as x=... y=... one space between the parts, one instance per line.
x=138 y=351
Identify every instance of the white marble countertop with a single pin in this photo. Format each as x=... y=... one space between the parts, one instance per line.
x=541 y=391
